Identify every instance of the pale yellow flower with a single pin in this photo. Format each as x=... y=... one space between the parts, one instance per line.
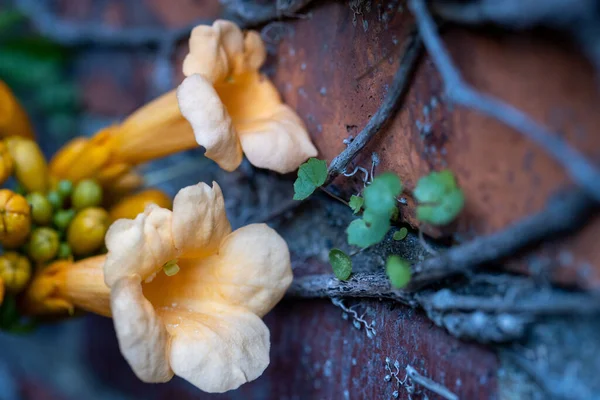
x=232 y=107
x=203 y=323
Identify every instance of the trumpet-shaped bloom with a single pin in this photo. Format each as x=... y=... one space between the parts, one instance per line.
x=64 y=285
x=155 y=130
x=232 y=107
x=203 y=323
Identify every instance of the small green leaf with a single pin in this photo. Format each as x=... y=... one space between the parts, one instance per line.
x=400 y=234
x=380 y=195
x=356 y=203
x=445 y=211
x=439 y=198
x=367 y=232
x=340 y=263
x=398 y=270
x=311 y=175
x=430 y=188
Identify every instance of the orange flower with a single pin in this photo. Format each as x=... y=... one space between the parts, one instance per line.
x=13 y=119
x=202 y=323
x=63 y=286
x=233 y=107
x=200 y=318
x=155 y=130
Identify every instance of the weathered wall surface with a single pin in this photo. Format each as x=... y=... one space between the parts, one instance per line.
x=334 y=65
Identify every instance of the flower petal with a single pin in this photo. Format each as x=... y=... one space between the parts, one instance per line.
x=255 y=52
x=199 y=220
x=201 y=106
x=219 y=349
x=252 y=270
x=142 y=335
x=139 y=246
x=248 y=97
x=221 y=50
x=213 y=50
x=279 y=143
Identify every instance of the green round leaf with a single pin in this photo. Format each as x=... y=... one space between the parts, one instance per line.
x=368 y=231
x=439 y=198
x=398 y=270
x=400 y=234
x=431 y=188
x=311 y=175
x=356 y=203
x=340 y=263
x=380 y=195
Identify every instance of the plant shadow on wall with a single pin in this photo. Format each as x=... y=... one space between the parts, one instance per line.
x=453 y=285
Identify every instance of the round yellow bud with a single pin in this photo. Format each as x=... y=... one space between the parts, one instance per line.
x=15 y=271
x=86 y=232
x=15 y=218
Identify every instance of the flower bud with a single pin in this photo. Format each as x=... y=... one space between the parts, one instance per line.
x=43 y=244
x=86 y=232
x=15 y=218
x=31 y=169
x=15 y=271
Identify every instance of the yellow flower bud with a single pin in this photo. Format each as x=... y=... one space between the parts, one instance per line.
x=15 y=271
x=82 y=158
x=30 y=165
x=13 y=119
x=63 y=286
x=43 y=244
x=86 y=232
x=6 y=163
x=64 y=158
x=133 y=205
x=15 y=218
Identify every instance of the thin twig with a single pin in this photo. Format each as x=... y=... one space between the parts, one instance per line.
x=457 y=90
x=563 y=213
x=333 y=196
x=430 y=384
x=386 y=111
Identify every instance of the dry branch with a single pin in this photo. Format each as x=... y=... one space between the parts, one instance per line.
x=564 y=213
x=579 y=168
x=386 y=111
